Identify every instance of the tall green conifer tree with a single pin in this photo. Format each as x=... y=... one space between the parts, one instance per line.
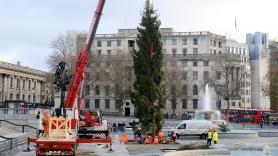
x=148 y=72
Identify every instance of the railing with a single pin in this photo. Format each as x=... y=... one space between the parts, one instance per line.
x=17 y=111
x=18 y=125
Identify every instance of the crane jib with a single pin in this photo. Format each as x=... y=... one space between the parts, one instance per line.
x=82 y=59
x=94 y=24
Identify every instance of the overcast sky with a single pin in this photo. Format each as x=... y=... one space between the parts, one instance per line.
x=28 y=26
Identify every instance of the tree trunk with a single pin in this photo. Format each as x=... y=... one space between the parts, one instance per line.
x=153 y=123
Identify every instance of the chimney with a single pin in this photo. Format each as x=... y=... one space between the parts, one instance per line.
x=18 y=63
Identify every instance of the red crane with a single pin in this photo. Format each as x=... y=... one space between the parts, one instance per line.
x=82 y=60
x=66 y=145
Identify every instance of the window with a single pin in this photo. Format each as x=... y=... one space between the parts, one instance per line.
x=183 y=126
x=195 y=75
x=17 y=96
x=206 y=75
x=17 y=83
x=29 y=85
x=87 y=103
x=184 y=41
x=195 y=63
x=195 y=103
x=107 y=103
x=118 y=103
x=233 y=50
x=23 y=97
x=108 y=52
x=164 y=51
x=97 y=101
x=195 y=90
x=184 y=62
x=173 y=103
x=97 y=76
x=174 y=50
x=220 y=44
x=195 y=51
x=23 y=84
x=99 y=52
x=109 y=43
x=233 y=104
x=214 y=52
x=206 y=63
x=35 y=85
x=97 y=90
x=11 y=96
x=11 y=82
x=131 y=43
x=164 y=41
x=107 y=90
x=218 y=75
x=184 y=51
x=119 y=43
x=184 y=90
x=214 y=43
x=98 y=43
x=174 y=41
x=184 y=76
x=29 y=98
x=195 y=41
x=228 y=49
x=184 y=104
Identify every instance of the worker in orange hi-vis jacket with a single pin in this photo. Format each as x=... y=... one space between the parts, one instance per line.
x=45 y=123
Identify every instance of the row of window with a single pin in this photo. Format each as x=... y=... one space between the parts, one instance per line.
x=109 y=43
x=164 y=42
x=185 y=104
x=184 y=51
x=107 y=103
x=11 y=97
x=184 y=41
x=23 y=84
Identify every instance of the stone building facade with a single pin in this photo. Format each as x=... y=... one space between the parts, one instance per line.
x=22 y=83
x=192 y=54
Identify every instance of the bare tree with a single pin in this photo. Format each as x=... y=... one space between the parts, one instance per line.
x=228 y=77
x=121 y=79
x=175 y=86
x=113 y=75
x=65 y=48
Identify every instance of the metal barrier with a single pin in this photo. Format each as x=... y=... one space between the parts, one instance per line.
x=23 y=126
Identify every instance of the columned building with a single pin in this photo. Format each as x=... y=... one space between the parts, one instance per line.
x=22 y=83
x=190 y=61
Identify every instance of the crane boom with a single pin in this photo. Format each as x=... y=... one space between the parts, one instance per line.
x=82 y=59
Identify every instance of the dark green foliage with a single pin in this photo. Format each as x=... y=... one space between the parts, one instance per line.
x=148 y=72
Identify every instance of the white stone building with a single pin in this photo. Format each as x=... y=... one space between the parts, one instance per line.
x=22 y=83
x=259 y=61
x=194 y=53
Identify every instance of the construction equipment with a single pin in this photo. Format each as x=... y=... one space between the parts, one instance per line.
x=64 y=133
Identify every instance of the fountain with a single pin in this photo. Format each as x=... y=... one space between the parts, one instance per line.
x=208 y=112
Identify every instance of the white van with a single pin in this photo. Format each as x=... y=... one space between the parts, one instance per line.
x=193 y=128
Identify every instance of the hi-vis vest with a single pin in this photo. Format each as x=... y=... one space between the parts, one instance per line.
x=209 y=135
x=215 y=136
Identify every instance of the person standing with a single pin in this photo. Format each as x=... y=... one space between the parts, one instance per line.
x=214 y=136
x=209 y=138
x=114 y=127
x=262 y=122
x=123 y=127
